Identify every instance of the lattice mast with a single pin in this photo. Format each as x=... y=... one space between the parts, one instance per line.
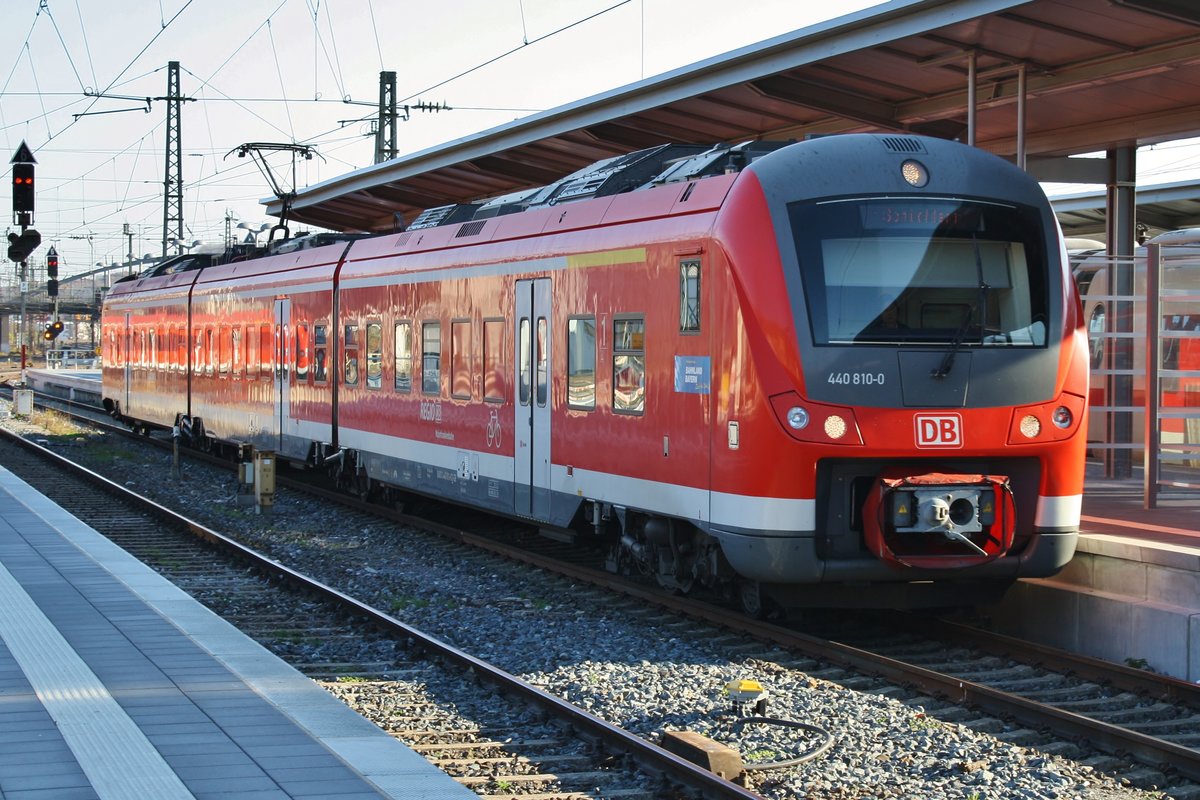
x=385 y=130
x=173 y=175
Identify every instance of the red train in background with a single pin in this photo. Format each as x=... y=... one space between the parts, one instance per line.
x=1179 y=360
x=849 y=371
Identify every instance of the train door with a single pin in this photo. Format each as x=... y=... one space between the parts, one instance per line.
x=284 y=424
x=124 y=343
x=531 y=428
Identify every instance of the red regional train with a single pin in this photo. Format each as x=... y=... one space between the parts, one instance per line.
x=849 y=371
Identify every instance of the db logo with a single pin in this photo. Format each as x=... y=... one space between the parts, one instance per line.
x=938 y=430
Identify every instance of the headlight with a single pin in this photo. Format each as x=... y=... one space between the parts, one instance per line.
x=797 y=417
x=835 y=426
x=1062 y=417
x=914 y=173
x=1030 y=426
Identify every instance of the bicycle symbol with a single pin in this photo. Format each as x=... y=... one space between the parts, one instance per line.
x=493 y=430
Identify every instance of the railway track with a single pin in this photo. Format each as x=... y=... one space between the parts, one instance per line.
x=1126 y=722
x=508 y=740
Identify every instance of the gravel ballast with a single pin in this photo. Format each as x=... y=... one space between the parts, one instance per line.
x=609 y=656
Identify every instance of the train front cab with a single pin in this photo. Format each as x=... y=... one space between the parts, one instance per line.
x=935 y=393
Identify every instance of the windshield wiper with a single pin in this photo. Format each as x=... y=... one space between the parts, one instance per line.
x=947 y=364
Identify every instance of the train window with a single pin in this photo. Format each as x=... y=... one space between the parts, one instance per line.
x=1096 y=332
x=431 y=357
x=226 y=350
x=689 y=296
x=235 y=342
x=543 y=366
x=302 y=353
x=927 y=271
x=374 y=355
x=266 y=349
x=495 y=379
x=460 y=359
x=525 y=356
x=151 y=348
x=629 y=365
x=251 y=340
x=210 y=350
x=283 y=336
x=350 y=356
x=320 y=353
x=404 y=358
x=581 y=363
x=250 y=343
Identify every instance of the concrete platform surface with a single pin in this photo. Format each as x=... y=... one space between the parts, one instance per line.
x=1131 y=594
x=115 y=684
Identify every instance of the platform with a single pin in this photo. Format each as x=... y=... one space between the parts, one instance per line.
x=115 y=685
x=76 y=385
x=1132 y=592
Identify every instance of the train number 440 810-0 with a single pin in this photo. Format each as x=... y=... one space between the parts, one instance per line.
x=857 y=378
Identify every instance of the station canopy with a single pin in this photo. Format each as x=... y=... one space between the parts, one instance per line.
x=1160 y=208
x=1052 y=78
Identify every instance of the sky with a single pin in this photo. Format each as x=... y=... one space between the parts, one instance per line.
x=75 y=80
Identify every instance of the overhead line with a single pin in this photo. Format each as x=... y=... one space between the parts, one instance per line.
x=87 y=47
x=492 y=60
x=133 y=61
x=66 y=50
x=282 y=88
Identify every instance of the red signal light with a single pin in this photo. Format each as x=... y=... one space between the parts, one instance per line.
x=22 y=193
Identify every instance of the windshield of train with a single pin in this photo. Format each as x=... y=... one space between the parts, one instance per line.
x=922 y=271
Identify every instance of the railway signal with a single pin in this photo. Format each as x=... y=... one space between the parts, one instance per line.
x=52 y=272
x=53 y=330
x=22 y=185
x=20 y=245
x=22 y=195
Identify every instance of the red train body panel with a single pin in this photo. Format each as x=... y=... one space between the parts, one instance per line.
x=684 y=368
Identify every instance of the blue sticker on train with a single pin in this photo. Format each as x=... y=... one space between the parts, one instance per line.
x=691 y=374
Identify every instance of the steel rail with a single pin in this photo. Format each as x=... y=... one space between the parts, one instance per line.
x=685 y=772
x=1104 y=736
x=1139 y=681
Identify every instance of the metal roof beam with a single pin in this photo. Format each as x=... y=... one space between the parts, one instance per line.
x=1160 y=217
x=1066 y=78
x=1021 y=19
x=1089 y=136
x=392 y=193
x=1181 y=10
x=963 y=50
x=830 y=100
x=335 y=218
x=624 y=135
x=517 y=169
